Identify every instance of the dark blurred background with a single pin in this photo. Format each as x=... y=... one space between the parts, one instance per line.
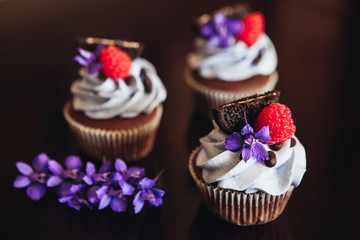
x=318 y=49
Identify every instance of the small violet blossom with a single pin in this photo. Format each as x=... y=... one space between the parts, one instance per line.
x=114 y=185
x=221 y=31
x=33 y=178
x=147 y=193
x=90 y=59
x=249 y=143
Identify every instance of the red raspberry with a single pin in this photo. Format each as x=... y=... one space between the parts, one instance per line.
x=254 y=25
x=116 y=63
x=281 y=125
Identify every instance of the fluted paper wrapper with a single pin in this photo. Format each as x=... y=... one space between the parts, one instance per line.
x=128 y=144
x=238 y=207
x=205 y=98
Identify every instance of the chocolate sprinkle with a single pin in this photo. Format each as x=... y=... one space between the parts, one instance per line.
x=293 y=142
x=146 y=81
x=276 y=147
x=271 y=162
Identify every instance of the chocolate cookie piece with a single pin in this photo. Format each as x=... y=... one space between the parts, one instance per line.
x=133 y=49
x=271 y=162
x=230 y=117
x=146 y=81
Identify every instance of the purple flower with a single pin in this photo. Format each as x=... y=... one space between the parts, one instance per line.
x=90 y=59
x=147 y=193
x=113 y=197
x=221 y=31
x=122 y=174
x=73 y=165
x=91 y=177
x=33 y=178
x=249 y=143
x=74 y=195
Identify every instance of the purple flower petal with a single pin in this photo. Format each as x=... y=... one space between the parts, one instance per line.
x=24 y=168
x=104 y=202
x=146 y=183
x=73 y=162
x=126 y=188
x=219 y=19
x=90 y=169
x=233 y=142
x=158 y=192
x=120 y=165
x=87 y=179
x=246 y=153
x=118 y=205
x=53 y=181
x=40 y=162
x=207 y=29
x=81 y=60
x=259 y=152
x=138 y=203
x=21 y=181
x=101 y=192
x=94 y=67
x=247 y=129
x=147 y=194
x=263 y=134
x=65 y=199
x=135 y=172
x=86 y=54
x=214 y=41
x=75 y=188
x=36 y=191
x=235 y=26
x=64 y=189
x=106 y=167
x=157 y=202
x=55 y=167
x=91 y=194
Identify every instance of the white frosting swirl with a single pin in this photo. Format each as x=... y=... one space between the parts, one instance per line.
x=236 y=62
x=107 y=99
x=225 y=167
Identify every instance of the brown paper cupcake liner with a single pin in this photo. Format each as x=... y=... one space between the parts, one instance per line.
x=236 y=206
x=206 y=98
x=128 y=144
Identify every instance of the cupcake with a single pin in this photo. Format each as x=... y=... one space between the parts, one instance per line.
x=117 y=102
x=233 y=58
x=248 y=166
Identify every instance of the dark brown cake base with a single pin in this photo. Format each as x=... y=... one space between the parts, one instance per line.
x=129 y=139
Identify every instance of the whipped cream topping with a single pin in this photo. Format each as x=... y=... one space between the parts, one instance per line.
x=100 y=99
x=227 y=170
x=235 y=63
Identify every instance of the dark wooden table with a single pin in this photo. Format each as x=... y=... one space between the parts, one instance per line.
x=318 y=62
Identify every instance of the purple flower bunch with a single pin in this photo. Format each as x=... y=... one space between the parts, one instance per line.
x=90 y=58
x=249 y=143
x=114 y=185
x=221 y=31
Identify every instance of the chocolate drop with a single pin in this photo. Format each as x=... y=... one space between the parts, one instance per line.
x=293 y=142
x=276 y=146
x=146 y=80
x=271 y=162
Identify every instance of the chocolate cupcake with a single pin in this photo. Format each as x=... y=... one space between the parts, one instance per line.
x=248 y=166
x=233 y=58
x=117 y=103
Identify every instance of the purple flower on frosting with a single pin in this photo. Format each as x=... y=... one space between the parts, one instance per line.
x=221 y=31
x=147 y=193
x=73 y=165
x=33 y=178
x=90 y=59
x=249 y=143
